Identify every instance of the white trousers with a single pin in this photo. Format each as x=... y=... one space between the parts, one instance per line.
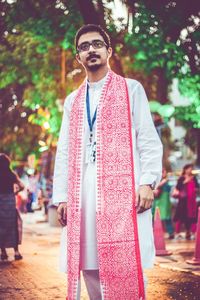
x=92 y=282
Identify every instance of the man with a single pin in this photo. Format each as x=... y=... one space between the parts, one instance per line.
x=107 y=163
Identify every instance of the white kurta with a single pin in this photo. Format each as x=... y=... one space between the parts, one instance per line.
x=147 y=153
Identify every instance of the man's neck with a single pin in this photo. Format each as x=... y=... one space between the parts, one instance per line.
x=97 y=75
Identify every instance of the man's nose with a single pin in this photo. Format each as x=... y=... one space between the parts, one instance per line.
x=90 y=47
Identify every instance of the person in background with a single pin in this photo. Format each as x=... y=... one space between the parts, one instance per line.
x=22 y=196
x=46 y=193
x=186 y=211
x=33 y=188
x=9 y=234
x=162 y=201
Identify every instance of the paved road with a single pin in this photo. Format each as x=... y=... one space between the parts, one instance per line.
x=36 y=276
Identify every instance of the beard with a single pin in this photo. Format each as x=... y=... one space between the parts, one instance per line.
x=95 y=65
x=94 y=68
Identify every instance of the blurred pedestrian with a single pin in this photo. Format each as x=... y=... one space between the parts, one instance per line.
x=9 y=233
x=185 y=192
x=22 y=196
x=33 y=188
x=46 y=186
x=162 y=201
x=48 y=194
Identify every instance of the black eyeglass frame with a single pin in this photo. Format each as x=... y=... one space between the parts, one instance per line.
x=92 y=44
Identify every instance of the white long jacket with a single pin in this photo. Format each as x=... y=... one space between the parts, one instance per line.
x=147 y=153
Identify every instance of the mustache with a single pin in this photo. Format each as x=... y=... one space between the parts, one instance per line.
x=93 y=55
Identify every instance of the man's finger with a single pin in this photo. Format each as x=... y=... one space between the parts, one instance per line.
x=148 y=203
x=62 y=215
x=140 y=209
x=137 y=200
x=63 y=223
x=144 y=204
x=140 y=206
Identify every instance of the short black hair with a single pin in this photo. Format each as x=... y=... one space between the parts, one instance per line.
x=92 y=28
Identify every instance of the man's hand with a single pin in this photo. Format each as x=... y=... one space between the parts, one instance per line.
x=144 y=198
x=62 y=213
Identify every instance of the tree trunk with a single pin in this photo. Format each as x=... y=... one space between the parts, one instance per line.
x=162 y=86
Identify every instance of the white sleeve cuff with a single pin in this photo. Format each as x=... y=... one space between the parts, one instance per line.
x=148 y=178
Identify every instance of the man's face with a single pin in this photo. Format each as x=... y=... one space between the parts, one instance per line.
x=93 y=58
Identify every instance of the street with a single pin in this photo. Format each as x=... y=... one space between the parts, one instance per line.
x=36 y=277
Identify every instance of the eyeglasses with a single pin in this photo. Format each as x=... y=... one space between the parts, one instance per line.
x=96 y=44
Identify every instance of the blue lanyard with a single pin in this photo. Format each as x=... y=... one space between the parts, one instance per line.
x=90 y=122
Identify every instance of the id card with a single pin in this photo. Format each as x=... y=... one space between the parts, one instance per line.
x=90 y=153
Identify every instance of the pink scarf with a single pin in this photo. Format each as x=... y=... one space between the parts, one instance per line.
x=117 y=234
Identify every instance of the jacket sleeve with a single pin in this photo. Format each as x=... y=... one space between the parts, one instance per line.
x=61 y=160
x=148 y=143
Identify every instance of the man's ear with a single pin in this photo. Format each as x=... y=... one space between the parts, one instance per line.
x=78 y=58
x=109 y=52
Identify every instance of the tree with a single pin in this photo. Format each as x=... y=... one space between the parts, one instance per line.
x=165 y=41
x=33 y=41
